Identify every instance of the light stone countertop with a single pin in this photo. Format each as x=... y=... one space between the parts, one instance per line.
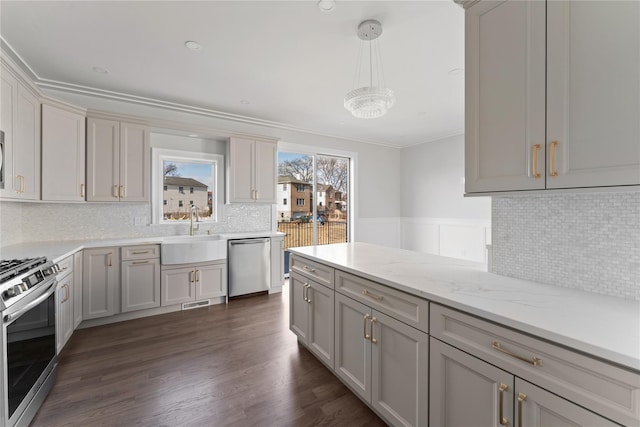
x=58 y=250
x=599 y=325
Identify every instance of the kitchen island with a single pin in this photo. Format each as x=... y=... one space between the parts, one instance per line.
x=572 y=343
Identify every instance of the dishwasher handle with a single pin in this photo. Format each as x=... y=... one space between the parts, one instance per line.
x=248 y=241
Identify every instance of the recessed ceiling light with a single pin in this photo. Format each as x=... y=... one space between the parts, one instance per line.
x=456 y=71
x=100 y=70
x=244 y=102
x=191 y=45
x=327 y=5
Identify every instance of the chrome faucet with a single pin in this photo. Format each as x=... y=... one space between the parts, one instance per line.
x=194 y=210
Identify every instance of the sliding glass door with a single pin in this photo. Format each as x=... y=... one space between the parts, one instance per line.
x=313 y=199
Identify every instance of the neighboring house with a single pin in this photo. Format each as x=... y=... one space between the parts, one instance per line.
x=180 y=193
x=326 y=199
x=294 y=198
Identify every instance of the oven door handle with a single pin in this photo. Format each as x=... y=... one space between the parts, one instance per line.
x=50 y=290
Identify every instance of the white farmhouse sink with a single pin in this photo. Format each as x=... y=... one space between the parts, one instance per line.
x=190 y=249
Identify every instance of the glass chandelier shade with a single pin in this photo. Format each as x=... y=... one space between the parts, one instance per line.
x=374 y=100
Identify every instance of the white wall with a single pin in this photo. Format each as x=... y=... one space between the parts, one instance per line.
x=436 y=217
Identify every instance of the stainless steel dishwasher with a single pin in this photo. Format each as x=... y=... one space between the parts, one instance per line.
x=249 y=266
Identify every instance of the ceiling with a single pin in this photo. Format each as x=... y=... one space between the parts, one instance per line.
x=275 y=62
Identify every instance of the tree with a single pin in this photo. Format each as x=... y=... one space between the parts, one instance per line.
x=171 y=169
x=334 y=172
x=300 y=168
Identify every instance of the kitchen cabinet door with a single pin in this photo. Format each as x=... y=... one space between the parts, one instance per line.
x=211 y=281
x=63 y=154
x=77 y=289
x=100 y=283
x=134 y=162
x=400 y=371
x=536 y=407
x=64 y=311
x=241 y=170
x=320 y=337
x=298 y=307
x=266 y=171
x=505 y=96
x=592 y=106
x=352 y=346
x=178 y=286
x=103 y=160
x=466 y=391
x=277 y=264
x=26 y=144
x=140 y=284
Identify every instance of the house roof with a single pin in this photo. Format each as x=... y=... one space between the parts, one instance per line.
x=183 y=182
x=285 y=179
x=324 y=187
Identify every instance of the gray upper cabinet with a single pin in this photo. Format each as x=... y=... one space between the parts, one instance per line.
x=118 y=161
x=586 y=132
x=63 y=154
x=251 y=171
x=20 y=122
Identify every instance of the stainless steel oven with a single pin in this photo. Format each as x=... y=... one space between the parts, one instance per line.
x=28 y=340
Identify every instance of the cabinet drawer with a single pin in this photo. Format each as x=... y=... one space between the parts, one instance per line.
x=66 y=267
x=140 y=252
x=313 y=270
x=599 y=386
x=407 y=308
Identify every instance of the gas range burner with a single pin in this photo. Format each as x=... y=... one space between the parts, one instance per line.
x=15 y=267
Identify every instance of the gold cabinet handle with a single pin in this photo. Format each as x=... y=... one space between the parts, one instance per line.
x=535 y=361
x=366 y=293
x=122 y=194
x=110 y=263
x=309 y=269
x=197 y=275
x=364 y=327
x=521 y=398
x=534 y=161
x=82 y=190
x=139 y=252
x=191 y=276
x=552 y=158
x=503 y=420
x=22 y=183
x=373 y=340
x=140 y=262
x=115 y=191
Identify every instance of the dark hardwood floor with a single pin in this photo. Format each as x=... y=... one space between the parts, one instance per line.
x=224 y=365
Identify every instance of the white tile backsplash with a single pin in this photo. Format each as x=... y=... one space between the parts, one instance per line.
x=30 y=222
x=587 y=241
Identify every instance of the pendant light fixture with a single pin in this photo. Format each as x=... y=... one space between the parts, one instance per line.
x=370 y=98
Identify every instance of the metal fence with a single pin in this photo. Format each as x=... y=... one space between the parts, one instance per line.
x=301 y=234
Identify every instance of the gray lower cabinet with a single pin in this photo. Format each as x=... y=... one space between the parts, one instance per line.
x=64 y=310
x=311 y=316
x=383 y=360
x=140 y=284
x=193 y=282
x=100 y=282
x=467 y=391
x=77 y=289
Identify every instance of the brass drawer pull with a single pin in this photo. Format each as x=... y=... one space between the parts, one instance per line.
x=122 y=192
x=552 y=158
x=139 y=252
x=534 y=161
x=309 y=269
x=535 y=361
x=366 y=335
x=373 y=340
x=140 y=262
x=521 y=398
x=366 y=293
x=110 y=260
x=82 y=190
x=503 y=420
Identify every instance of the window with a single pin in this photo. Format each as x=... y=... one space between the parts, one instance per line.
x=284 y=201
x=300 y=188
x=300 y=202
x=284 y=187
x=319 y=203
x=174 y=171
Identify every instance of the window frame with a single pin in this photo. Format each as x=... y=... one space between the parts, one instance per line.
x=159 y=155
